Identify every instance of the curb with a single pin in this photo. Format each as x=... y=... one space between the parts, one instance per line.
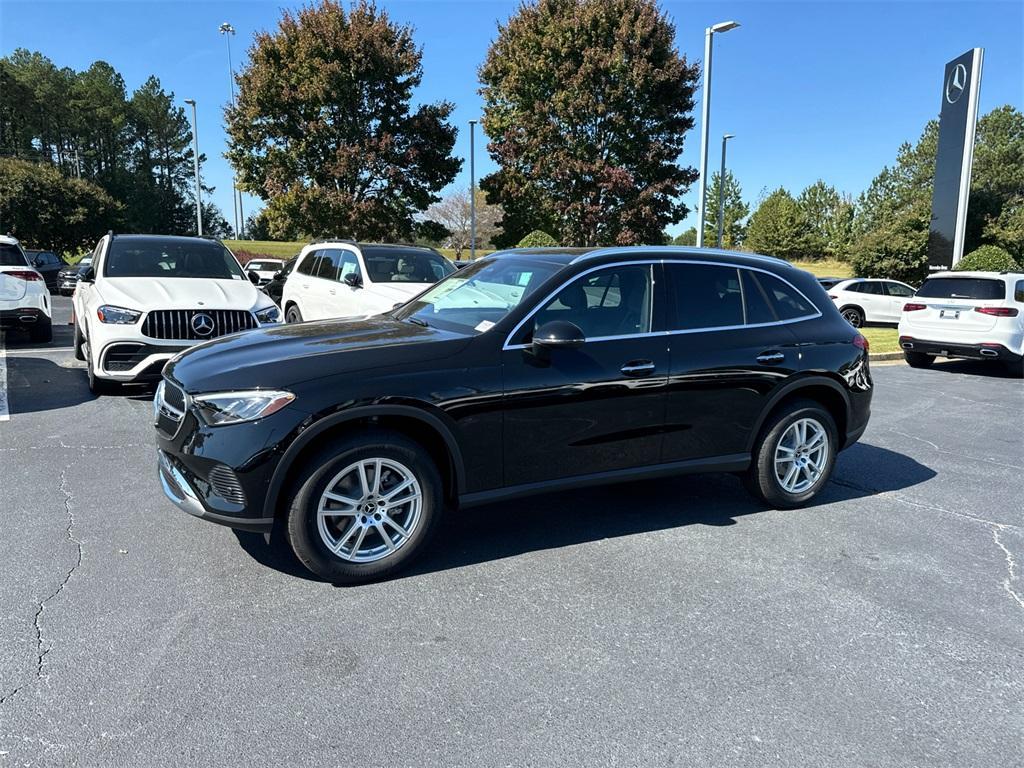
x=878 y=357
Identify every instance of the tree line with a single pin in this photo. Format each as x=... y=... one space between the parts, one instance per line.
x=80 y=155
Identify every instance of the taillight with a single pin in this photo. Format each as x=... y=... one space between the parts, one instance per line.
x=861 y=342
x=25 y=274
x=911 y=307
x=997 y=311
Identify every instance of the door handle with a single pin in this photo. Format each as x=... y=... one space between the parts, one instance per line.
x=770 y=358
x=333 y=292
x=637 y=368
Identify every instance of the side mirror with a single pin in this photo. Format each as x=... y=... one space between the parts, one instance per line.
x=557 y=334
x=253 y=277
x=352 y=280
x=89 y=276
x=278 y=275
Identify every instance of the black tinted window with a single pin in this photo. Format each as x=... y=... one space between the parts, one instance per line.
x=787 y=302
x=962 y=288
x=759 y=309
x=309 y=263
x=705 y=296
x=328 y=262
x=11 y=256
x=611 y=302
x=1018 y=291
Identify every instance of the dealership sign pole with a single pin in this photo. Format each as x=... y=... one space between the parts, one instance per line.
x=957 y=121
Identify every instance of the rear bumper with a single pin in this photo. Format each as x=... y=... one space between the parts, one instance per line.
x=27 y=317
x=987 y=351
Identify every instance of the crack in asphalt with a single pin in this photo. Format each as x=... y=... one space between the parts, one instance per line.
x=994 y=527
x=37 y=620
x=955 y=453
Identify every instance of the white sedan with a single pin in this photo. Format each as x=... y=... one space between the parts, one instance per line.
x=863 y=301
x=24 y=299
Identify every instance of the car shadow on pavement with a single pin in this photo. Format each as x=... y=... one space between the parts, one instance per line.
x=992 y=370
x=555 y=520
x=38 y=384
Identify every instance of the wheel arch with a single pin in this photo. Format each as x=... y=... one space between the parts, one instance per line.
x=417 y=423
x=829 y=393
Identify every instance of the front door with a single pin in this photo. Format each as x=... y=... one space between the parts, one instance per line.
x=596 y=408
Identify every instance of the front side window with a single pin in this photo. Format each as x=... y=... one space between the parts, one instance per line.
x=616 y=301
x=347 y=264
x=170 y=258
x=386 y=264
x=478 y=296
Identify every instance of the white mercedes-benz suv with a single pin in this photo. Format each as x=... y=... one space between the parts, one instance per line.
x=24 y=299
x=968 y=315
x=346 y=279
x=147 y=297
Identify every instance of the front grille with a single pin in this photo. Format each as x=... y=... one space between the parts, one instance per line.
x=181 y=323
x=225 y=484
x=169 y=408
x=174 y=396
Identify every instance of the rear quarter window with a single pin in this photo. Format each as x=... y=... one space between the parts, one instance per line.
x=979 y=288
x=787 y=301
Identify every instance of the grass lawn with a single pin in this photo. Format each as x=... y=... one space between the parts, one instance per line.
x=881 y=339
x=279 y=250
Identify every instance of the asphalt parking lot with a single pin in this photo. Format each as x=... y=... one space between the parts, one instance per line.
x=659 y=623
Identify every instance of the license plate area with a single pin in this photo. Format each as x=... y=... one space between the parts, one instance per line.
x=949 y=314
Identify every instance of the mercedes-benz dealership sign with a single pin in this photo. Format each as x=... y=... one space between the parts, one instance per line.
x=957 y=119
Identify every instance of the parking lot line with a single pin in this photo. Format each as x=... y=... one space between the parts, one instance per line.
x=4 y=410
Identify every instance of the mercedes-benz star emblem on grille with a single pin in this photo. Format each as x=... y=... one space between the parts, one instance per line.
x=956 y=83
x=202 y=324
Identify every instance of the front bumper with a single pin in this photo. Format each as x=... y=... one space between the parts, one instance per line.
x=176 y=484
x=988 y=351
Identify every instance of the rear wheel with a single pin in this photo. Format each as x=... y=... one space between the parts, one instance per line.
x=795 y=455
x=293 y=315
x=364 y=507
x=918 y=359
x=853 y=316
x=79 y=341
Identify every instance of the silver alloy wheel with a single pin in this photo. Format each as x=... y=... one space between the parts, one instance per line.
x=852 y=316
x=801 y=455
x=369 y=510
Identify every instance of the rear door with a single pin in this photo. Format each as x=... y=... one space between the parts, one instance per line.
x=898 y=294
x=730 y=347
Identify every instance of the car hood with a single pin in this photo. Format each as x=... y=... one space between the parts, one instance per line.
x=145 y=293
x=290 y=354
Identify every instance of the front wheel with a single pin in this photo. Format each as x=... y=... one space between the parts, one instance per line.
x=99 y=386
x=293 y=315
x=364 y=507
x=918 y=359
x=794 y=457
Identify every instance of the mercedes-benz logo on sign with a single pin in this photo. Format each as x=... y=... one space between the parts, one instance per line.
x=956 y=83
x=202 y=324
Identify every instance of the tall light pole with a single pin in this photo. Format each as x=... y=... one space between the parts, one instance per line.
x=721 y=190
x=724 y=26
x=195 y=162
x=236 y=196
x=472 y=191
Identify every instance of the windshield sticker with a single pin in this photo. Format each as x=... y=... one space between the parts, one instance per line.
x=484 y=325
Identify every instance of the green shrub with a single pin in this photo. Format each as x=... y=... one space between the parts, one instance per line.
x=987 y=258
x=537 y=239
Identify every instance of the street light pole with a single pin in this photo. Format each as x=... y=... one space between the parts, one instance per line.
x=472 y=191
x=724 y=26
x=236 y=196
x=195 y=162
x=721 y=190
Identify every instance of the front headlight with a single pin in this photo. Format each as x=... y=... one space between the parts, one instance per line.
x=268 y=315
x=117 y=315
x=220 y=408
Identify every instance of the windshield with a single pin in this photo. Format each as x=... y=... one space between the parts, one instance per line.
x=962 y=288
x=171 y=258
x=404 y=265
x=11 y=256
x=265 y=266
x=478 y=296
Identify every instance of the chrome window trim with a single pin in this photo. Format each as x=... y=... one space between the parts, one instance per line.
x=680 y=331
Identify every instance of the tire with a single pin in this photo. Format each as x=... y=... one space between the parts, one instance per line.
x=293 y=315
x=336 y=469
x=99 y=386
x=853 y=316
x=918 y=359
x=762 y=479
x=1015 y=368
x=41 y=332
x=79 y=352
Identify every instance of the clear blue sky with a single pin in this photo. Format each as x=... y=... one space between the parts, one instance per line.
x=811 y=89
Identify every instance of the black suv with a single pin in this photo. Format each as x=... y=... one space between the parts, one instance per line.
x=526 y=371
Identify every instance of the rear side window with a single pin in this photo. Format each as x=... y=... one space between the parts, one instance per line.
x=980 y=288
x=11 y=256
x=787 y=301
x=705 y=296
x=899 y=290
